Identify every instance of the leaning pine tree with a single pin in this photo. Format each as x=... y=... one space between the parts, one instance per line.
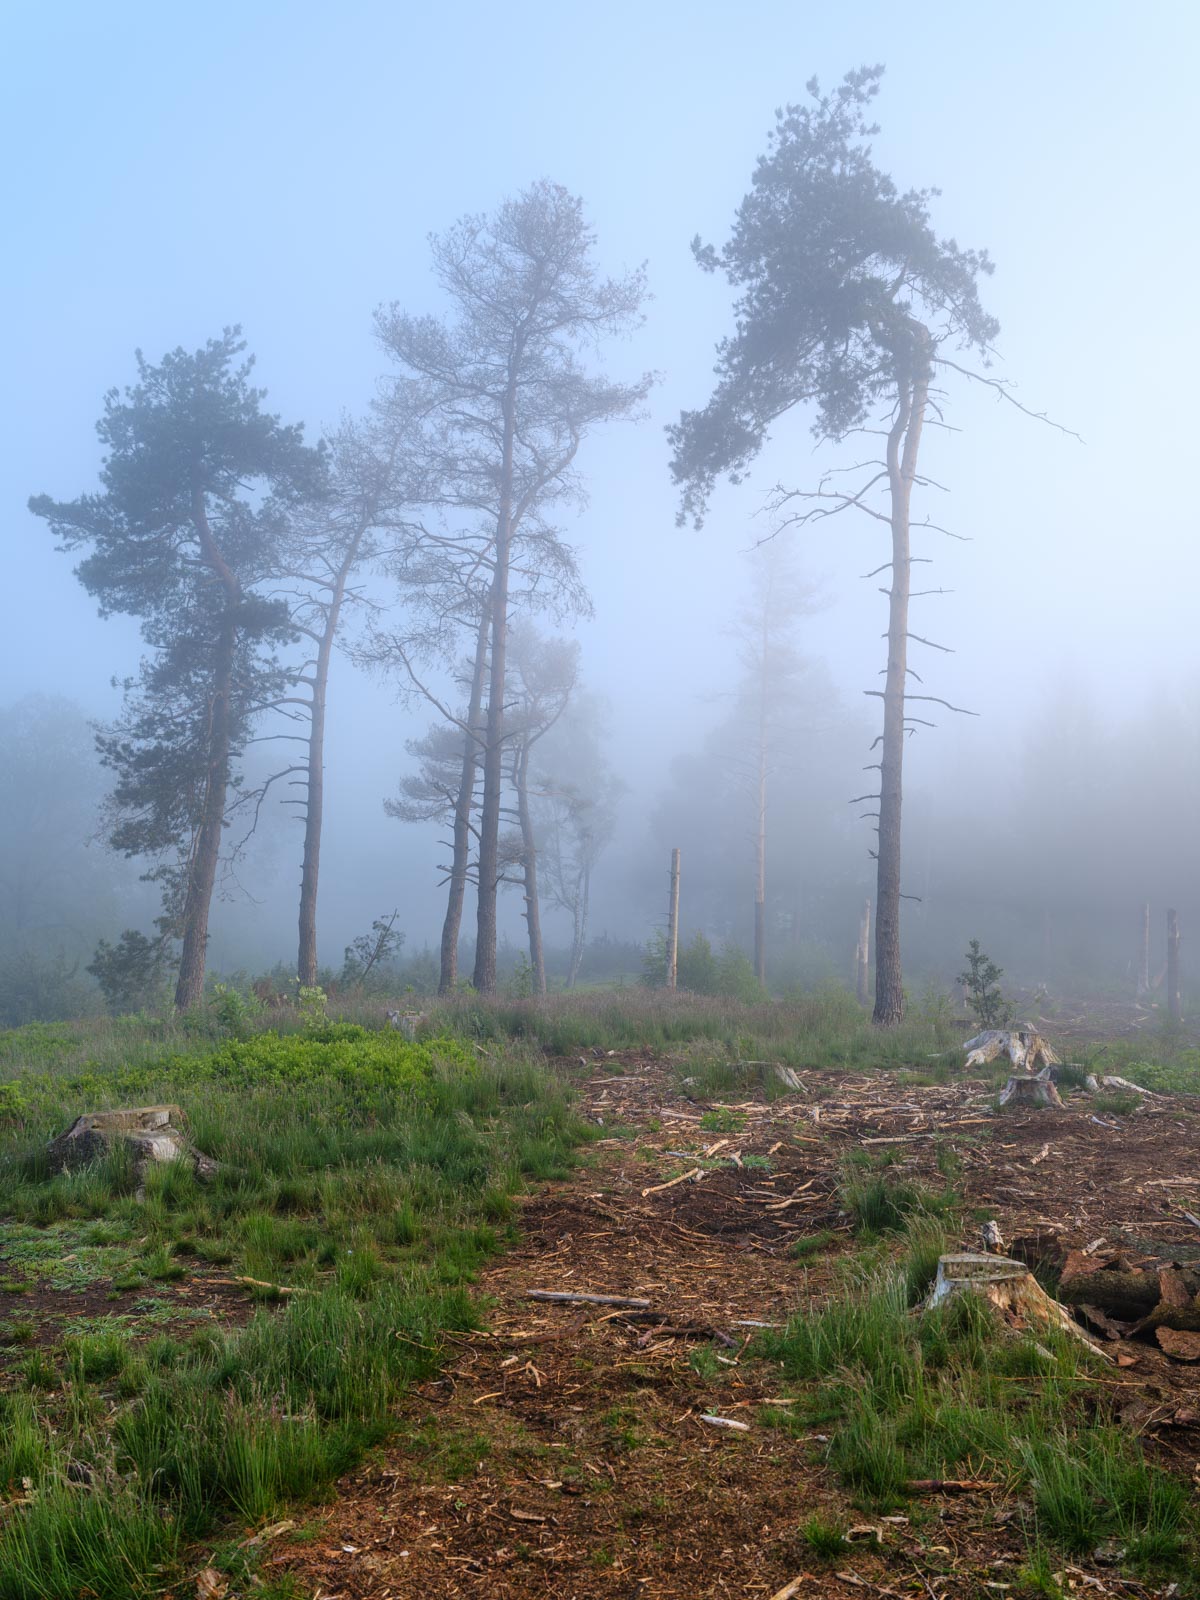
x=850 y=303
x=198 y=482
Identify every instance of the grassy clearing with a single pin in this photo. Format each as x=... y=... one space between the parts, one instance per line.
x=950 y=1394
x=826 y=1028
x=368 y=1175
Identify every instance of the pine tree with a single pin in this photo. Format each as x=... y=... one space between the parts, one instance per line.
x=197 y=484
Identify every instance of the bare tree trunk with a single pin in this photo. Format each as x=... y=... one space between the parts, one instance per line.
x=673 y=924
x=461 y=858
x=760 y=831
x=1143 y=981
x=493 y=766
x=579 y=925
x=202 y=869
x=903 y=443
x=863 y=955
x=314 y=809
x=533 y=915
x=1174 y=999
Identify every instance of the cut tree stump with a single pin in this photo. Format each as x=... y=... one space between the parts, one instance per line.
x=1023 y=1045
x=1036 y=1091
x=151 y=1133
x=1010 y=1288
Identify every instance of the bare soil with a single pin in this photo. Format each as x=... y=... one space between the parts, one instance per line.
x=564 y=1452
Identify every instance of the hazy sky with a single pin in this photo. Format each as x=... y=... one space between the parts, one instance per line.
x=172 y=169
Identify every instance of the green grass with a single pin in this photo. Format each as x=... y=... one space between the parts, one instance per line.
x=825 y=1540
x=369 y=1174
x=948 y=1393
x=879 y=1204
x=813 y=1244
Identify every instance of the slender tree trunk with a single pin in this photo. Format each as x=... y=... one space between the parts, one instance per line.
x=673 y=924
x=760 y=831
x=863 y=956
x=460 y=860
x=493 y=766
x=579 y=925
x=202 y=870
x=533 y=914
x=903 y=443
x=1143 y=981
x=314 y=809
x=1174 y=999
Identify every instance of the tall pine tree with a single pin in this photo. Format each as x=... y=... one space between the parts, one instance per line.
x=197 y=484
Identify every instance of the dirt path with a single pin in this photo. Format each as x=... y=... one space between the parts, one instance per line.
x=565 y=1454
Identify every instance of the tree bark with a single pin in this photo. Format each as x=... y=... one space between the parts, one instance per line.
x=461 y=858
x=903 y=444
x=202 y=867
x=533 y=915
x=493 y=766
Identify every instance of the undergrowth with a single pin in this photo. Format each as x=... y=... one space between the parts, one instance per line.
x=361 y=1180
x=948 y=1393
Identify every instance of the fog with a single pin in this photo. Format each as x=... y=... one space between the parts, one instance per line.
x=281 y=167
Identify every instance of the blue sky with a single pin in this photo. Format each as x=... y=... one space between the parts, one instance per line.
x=172 y=169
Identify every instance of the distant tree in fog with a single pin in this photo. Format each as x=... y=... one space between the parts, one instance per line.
x=766 y=733
x=508 y=402
x=330 y=542
x=59 y=889
x=542 y=677
x=576 y=799
x=198 y=484
x=849 y=303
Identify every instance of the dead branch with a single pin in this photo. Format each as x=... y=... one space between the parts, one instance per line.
x=563 y=1297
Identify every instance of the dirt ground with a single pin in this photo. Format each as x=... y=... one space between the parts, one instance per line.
x=565 y=1453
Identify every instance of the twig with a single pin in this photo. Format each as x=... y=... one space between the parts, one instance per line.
x=257 y=1283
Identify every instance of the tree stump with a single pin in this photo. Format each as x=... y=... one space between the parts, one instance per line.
x=149 y=1132
x=1037 y=1091
x=1009 y=1287
x=1023 y=1045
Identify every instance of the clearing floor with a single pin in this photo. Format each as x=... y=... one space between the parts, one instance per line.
x=566 y=1452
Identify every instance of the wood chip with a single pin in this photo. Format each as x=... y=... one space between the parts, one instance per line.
x=724 y=1422
x=793 y=1588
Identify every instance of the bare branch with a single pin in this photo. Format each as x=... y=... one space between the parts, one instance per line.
x=944 y=648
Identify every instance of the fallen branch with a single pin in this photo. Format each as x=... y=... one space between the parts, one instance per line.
x=950 y=1485
x=562 y=1297
x=255 y=1283
x=522 y=1338
x=684 y=1177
